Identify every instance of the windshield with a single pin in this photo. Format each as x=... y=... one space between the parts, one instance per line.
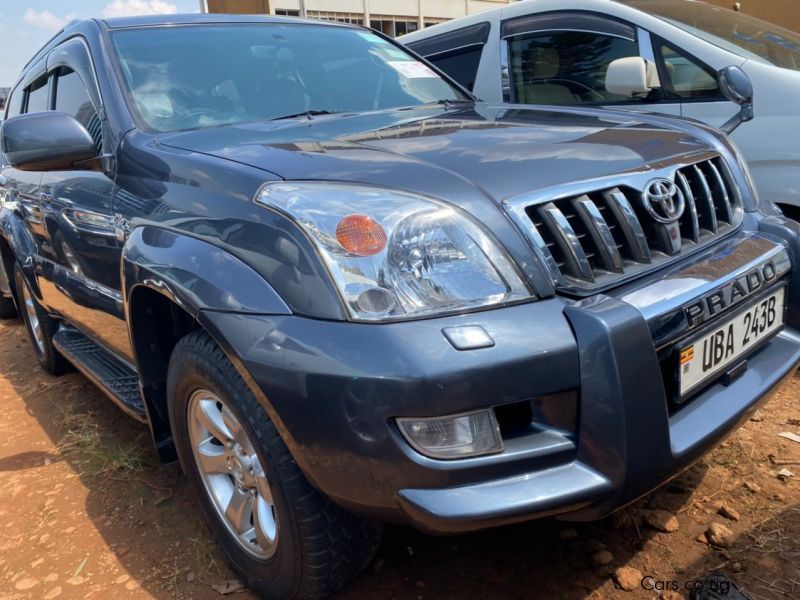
x=197 y=76
x=731 y=30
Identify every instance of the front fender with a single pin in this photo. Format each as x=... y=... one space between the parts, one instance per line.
x=194 y=274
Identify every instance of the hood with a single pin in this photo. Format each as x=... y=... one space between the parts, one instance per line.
x=501 y=152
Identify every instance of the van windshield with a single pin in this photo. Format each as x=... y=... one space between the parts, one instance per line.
x=734 y=31
x=196 y=76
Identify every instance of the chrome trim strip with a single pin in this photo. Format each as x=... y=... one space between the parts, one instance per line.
x=635 y=178
x=600 y=233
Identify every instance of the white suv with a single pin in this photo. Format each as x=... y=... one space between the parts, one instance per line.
x=581 y=52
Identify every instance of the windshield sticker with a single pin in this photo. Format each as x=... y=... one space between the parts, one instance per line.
x=396 y=54
x=371 y=37
x=411 y=69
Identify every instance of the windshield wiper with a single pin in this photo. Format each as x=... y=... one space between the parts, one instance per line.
x=310 y=114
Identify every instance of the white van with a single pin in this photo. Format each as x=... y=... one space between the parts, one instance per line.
x=580 y=52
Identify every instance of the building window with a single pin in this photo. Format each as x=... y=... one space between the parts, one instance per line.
x=339 y=17
x=393 y=26
x=285 y=12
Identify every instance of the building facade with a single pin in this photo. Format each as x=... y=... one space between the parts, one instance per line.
x=392 y=17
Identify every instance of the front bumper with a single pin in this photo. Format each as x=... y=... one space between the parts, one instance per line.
x=333 y=389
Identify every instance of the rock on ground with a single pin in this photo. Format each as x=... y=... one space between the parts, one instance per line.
x=720 y=536
x=628 y=578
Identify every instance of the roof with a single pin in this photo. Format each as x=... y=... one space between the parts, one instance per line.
x=201 y=18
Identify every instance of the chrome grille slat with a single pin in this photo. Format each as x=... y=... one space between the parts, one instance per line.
x=725 y=208
x=601 y=235
x=709 y=209
x=593 y=237
x=691 y=206
x=565 y=237
x=629 y=224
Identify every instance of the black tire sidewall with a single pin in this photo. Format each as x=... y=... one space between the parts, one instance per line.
x=189 y=371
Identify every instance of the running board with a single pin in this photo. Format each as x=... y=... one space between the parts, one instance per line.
x=114 y=377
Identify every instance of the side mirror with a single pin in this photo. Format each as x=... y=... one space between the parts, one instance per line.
x=46 y=141
x=632 y=76
x=738 y=88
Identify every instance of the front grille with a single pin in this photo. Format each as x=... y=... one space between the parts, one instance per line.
x=598 y=237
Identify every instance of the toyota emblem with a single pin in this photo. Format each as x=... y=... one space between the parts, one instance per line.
x=663 y=200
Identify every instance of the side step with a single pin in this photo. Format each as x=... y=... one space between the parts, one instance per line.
x=114 y=377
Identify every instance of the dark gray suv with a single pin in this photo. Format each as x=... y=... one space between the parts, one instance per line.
x=342 y=291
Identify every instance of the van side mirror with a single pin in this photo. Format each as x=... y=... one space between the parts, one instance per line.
x=47 y=141
x=632 y=76
x=738 y=88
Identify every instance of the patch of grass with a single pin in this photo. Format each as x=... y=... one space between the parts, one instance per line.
x=121 y=459
x=205 y=553
x=82 y=437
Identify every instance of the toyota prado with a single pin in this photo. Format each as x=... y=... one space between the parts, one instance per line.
x=341 y=291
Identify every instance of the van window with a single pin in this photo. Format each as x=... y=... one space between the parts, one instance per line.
x=565 y=67
x=461 y=65
x=686 y=77
x=38 y=96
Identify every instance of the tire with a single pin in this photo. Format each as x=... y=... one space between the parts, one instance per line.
x=41 y=337
x=318 y=546
x=8 y=309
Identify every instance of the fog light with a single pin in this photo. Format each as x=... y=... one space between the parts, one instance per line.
x=456 y=436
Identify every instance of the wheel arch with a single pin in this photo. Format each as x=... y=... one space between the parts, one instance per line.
x=169 y=279
x=17 y=246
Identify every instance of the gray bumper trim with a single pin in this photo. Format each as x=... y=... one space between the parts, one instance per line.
x=471 y=507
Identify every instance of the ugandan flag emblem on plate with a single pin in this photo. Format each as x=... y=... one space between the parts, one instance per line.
x=687 y=354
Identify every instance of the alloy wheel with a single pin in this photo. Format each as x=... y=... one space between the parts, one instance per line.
x=232 y=474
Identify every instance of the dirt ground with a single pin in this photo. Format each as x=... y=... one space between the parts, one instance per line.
x=85 y=511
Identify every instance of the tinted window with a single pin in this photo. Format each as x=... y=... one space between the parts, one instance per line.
x=461 y=66
x=72 y=97
x=686 y=77
x=565 y=67
x=201 y=76
x=38 y=96
x=14 y=103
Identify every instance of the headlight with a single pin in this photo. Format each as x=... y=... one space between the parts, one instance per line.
x=397 y=255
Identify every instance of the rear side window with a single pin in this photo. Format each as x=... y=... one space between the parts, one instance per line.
x=457 y=53
x=565 y=67
x=686 y=77
x=72 y=97
x=38 y=96
x=461 y=65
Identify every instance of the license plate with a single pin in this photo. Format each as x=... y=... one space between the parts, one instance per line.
x=708 y=356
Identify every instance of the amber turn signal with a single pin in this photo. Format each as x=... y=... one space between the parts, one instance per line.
x=360 y=235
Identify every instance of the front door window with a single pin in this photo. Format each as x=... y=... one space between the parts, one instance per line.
x=565 y=67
